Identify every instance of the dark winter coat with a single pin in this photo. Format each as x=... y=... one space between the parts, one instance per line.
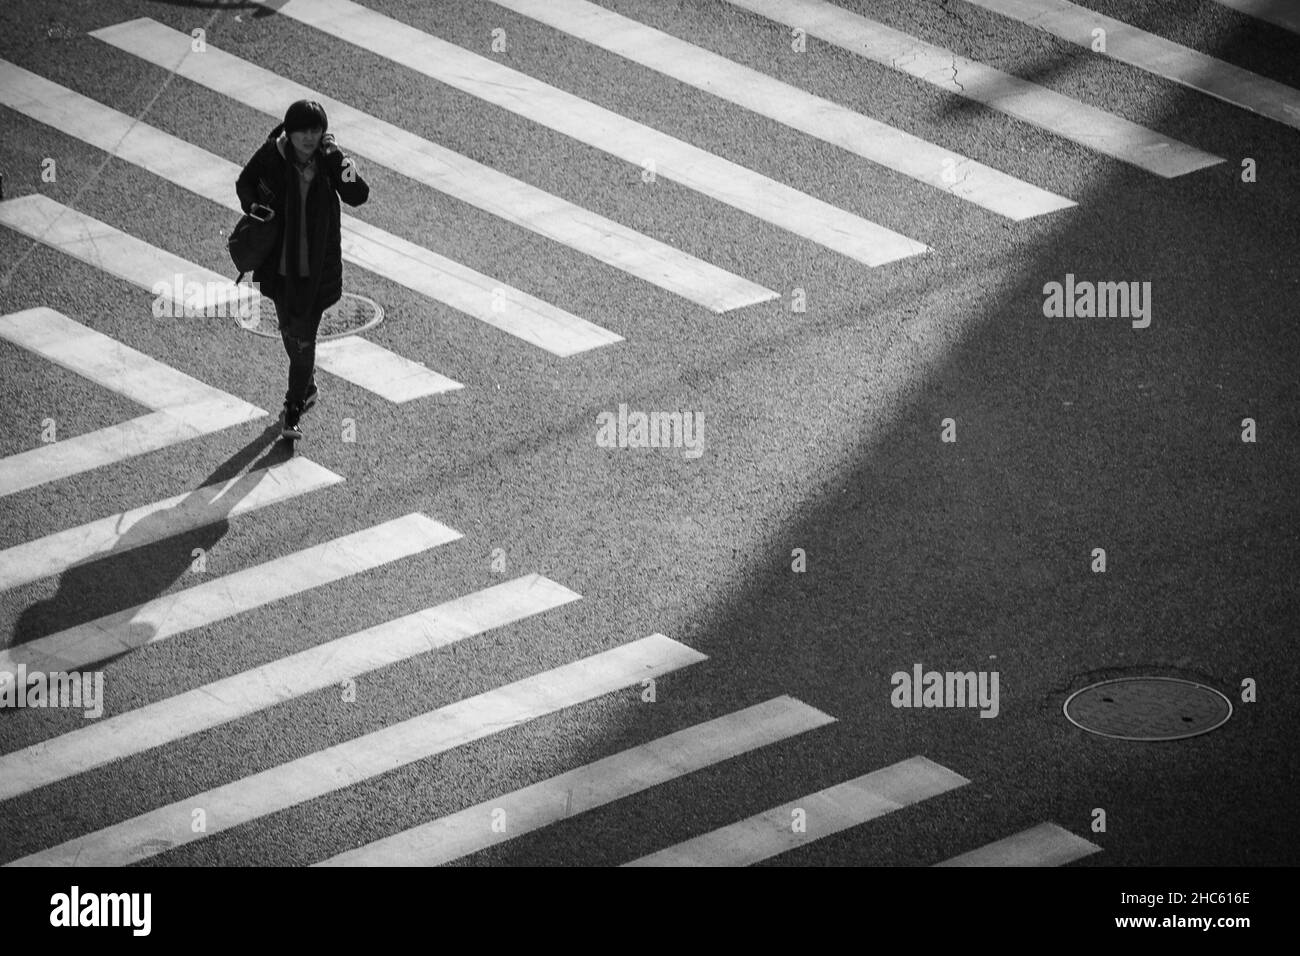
x=299 y=299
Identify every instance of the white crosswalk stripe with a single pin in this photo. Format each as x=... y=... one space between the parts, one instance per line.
x=1154 y=54
x=483 y=297
x=814 y=115
x=115 y=443
x=102 y=359
x=1044 y=845
x=118 y=533
x=221 y=701
x=229 y=595
x=445 y=170
x=1070 y=119
x=184 y=407
x=710 y=175
x=824 y=813
x=590 y=786
x=1281 y=13
x=113 y=251
x=378 y=370
x=362 y=758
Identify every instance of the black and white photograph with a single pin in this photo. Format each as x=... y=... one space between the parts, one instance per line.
x=830 y=434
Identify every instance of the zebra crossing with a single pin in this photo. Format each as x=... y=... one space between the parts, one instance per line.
x=362 y=758
x=1092 y=128
x=447 y=171
x=814 y=115
x=710 y=175
x=830 y=810
x=167 y=518
x=199 y=171
x=353 y=359
x=590 y=786
x=244 y=693
x=184 y=409
x=231 y=594
x=1156 y=55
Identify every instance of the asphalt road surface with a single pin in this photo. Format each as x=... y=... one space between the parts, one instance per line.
x=897 y=460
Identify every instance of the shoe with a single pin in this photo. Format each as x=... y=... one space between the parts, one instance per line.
x=289 y=427
x=312 y=394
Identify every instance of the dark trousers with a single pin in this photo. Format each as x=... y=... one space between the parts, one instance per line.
x=299 y=336
x=302 y=367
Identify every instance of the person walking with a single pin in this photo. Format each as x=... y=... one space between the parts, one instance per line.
x=301 y=173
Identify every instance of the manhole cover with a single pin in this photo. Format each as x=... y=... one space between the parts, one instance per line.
x=349 y=315
x=1148 y=708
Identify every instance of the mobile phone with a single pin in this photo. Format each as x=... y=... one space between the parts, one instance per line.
x=261 y=213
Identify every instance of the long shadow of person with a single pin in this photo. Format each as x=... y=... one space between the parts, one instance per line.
x=102 y=603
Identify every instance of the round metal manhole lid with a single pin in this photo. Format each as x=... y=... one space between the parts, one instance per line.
x=348 y=316
x=1148 y=708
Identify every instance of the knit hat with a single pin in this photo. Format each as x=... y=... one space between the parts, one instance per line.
x=305 y=114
